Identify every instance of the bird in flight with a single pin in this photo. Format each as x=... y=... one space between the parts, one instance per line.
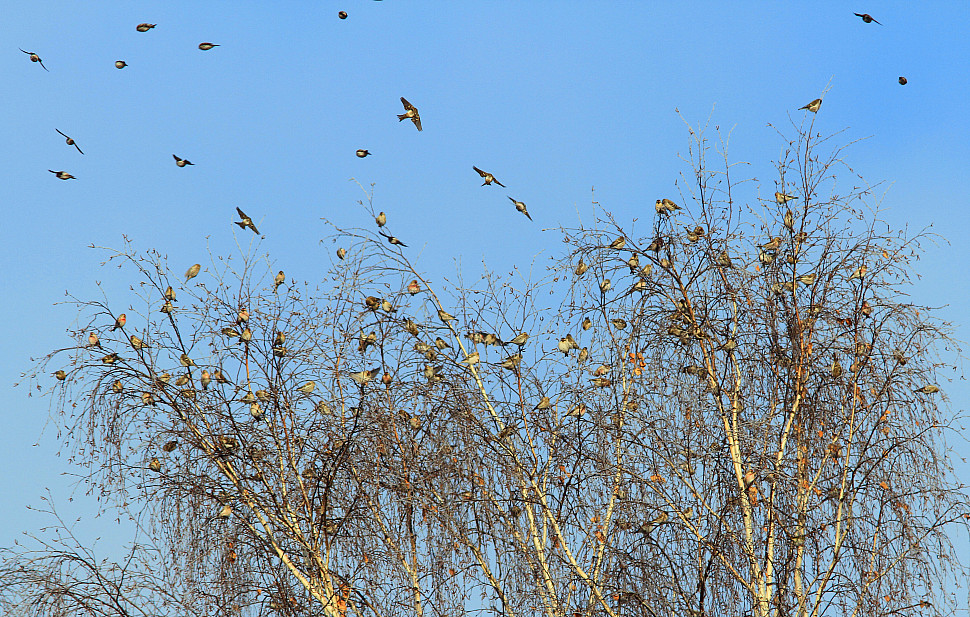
x=489 y=178
x=246 y=221
x=520 y=207
x=35 y=58
x=813 y=106
x=182 y=162
x=62 y=175
x=410 y=111
x=363 y=153
x=866 y=17
x=120 y=64
x=69 y=141
x=393 y=240
x=144 y=27
x=207 y=46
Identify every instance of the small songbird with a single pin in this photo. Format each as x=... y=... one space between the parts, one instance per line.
x=205 y=379
x=192 y=272
x=618 y=243
x=170 y=446
x=372 y=302
x=859 y=273
x=866 y=17
x=813 y=106
x=581 y=268
x=866 y=308
x=242 y=316
x=583 y=354
x=366 y=341
x=666 y=205
x=564 y=346
x=928 y=388
x=147 y=398
x=544 y=403
x=342 y=14
x=783 y=198
x=137 y=343
x=278 y=280
x=144 y=27
x=181 y=380
x=489 y=178
x=308 y=387
x=120 y=64
x=445 y=316
x=410 y=327
x=226 y=512
x=169 y=294
x=381 y=219
x=441 y=343
x=393 y=240
x=766 y=257
x=656 y=244
x=362 y=377
x=119 y=322
x=93 y=340
x=773 y=245
x=69 y=141
x=207 y=46
x=432 y=372
x=472 y=358
x=633 y=263
x=246 y=335
x=182 y=162
x=693 y=236
x=605 y=285
x=410 y=112
x=363 y=153
x=111 y=358
x=577 y=412
x=279 y=340
x=60 y=375
x=35 y=58
x=903 y=81
x=413 y=287
x=601 y=382
x=618 y=323
x=587 y=323
x=520 y=207
x=520 y=339
x=807 y=279
x=185 y=360
x=836 y=369
x=512 y=362
x=601 y=370
x=723 y=260
x=386 y=378
x=341 y=253
x=155 y=465
x=62 y=175
x=245 y=221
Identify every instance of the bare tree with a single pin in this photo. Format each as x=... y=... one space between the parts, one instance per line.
x=734 y=413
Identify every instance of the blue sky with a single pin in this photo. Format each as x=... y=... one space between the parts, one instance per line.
x=554 y=98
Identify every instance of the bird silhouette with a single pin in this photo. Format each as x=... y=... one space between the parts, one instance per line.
x=69 y=141
x=192 y=272
x=393 y=240
x=120 y=64
x=520 y=207
x=489 y=178
x=182 y=162
x=207 y=46
x=363 y=153
x=144 y=27
x=245 y=221
x=410 y=112
x=35 y=58
x=866 y=17
x=62 y=175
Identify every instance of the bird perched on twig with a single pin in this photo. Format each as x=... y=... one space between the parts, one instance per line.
x=866 y=17
x=783 y=198
x=245 y=221
x=278 y=280
x=381 y=219
x=410 y=112
x=520 y=207
x=35 y=58
x=666 y=205
x=489 y=178
x=182 y=162
x=362 y=377
x=813 y=106
x=928 y=389
x=858 y=274
x=69 y=141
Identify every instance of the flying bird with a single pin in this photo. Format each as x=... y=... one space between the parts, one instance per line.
x=35 y=58
x=246 y=221
x=62 y=175
x=207 y=46
x=813 y=106
x=342 y=14
x=393 y=240
x=489 y=178
x=69 y=141
x=410 y=112
x=866 y=17
x=144 y=27
x=520 y=207
x=903 y=81
x=363 y=153
x=120 y=64
x=182 y=162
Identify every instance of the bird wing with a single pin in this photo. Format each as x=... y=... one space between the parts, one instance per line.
x=480 y=172
x=858 y=14
x=59 y=130
x=497 y=182
x=253 y=227
x=78 y=148
x=26 y=52
x=41 y=63
x=242 y=214
x=177 y=159
x=416 y=119
x=408 y=105
x=513 y=201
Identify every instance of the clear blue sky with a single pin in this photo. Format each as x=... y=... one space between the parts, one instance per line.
x=553 y=97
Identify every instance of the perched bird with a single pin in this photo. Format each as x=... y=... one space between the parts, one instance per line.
x=155 y=465
x=512 y=362
x=361 y=153
x=144 y=27
x=520 y=339
x=928 y=388
x=577 y=412
x=35 y=58
x=583 y=354
x=605 y=285
x=393 y=240
x=182 y=162
x=120 y=64
x=866 y=17
x=62 y=175
x=366 y=341
x=242 y=316
x=633 y=263
x=783 y=198
x=618 y=243
x=226 y=512
x=773 y=245
x=308 y=387
x=413 y=287
x=119 y=322
x=205 y=379
x=137 y=343
x=362 y=377
x=147 y=398
x=387 y=307
x=520 y=207
x=341 y=253
x=445 y=316
x=60 y=375
x=572 y=342
x=656 y=244
x=489 y=178
x=278 y=280
x=342 y=14
x=410 y=112
x=544 y=403
x=666 y=205
x=836 y=369
x=581 y=268
x=111 y=358
x=859 y=273
x=766 y=257
x=618 y=323
x=723 y=260
x=181 y=380
x=246 y=335
x=693 y=235
x=432 y=372
x=587 y=323
x=185 y=360
x=192 y=272
x=93 y=340
x=564 y=346
x=117 y=387
x=410 y=327
x=263 y=395
x=69 y=141
x=866 y=308
x=386 y=378
x=813 y=106
x=381 y=219
x=219 y=377
x=372 y=303
x=601 y=370
x=170 y=446
x=279 y=339
x=899 y=357
x=807 y=279
x=903 y=81
x=169 y=294
x=207 y=46
x=441 y=343
x=245 y=221
x=472 y=358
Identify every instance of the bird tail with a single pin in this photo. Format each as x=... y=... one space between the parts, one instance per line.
x=401 y=117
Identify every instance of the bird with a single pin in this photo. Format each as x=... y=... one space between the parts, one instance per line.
x=520 y=339
x=381 y=219
x=903 y=81
x=858 y=274
x=226 y=512
x=836 y=369
x=342 y=14
x=35 y=58
x=362 y=377
x=866 y=17
x=410 y=112
x=413 y=287
x=361 y=153
x=144 y=27
x=512 y=362
x=601 y=370
x=119 y=322
x=242 y=316
x=207 y=46
x=807 y=279
x=410 y=327
x=169 y=294
x=155 y=465
x=577 y=411
x=280 y=339
x=445 y=316
x=432 y=372
x=581 y=268
x=724 y=260
x=543 y=404
x=583 y=354
x=170 y=446
x=666 y=205
x=246 y=335
x=618 y=243
x=111 y=358
x=773 y=245
x=60 y=375
x=278 y=280
x=185 y=360
x=619 y=323
x=520 y=207
x=928 y=388
x=813 y=106
x=605 y=285
x=181 y=380
x=366 y=341
x=393 y=240
x=137 y=343
x=472 y=358
x=633 y=263
x=441 y=343
x=245 y=221
x=783 y=198
x=93 y=340
x=656 y=244
x=192 y=272
x=205 y=379
x=308 y=387
x=182 y=162
x=564 y=346
x=601 y=382
x=766 y=258
x=120 y=64
x=341 y=253
x=489 y=178
x=69 y=141
x=62 y=175
x=587 y=323
x=696 y=234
